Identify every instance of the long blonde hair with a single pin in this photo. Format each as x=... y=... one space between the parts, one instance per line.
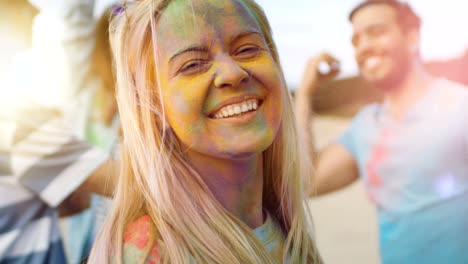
x=157 y=179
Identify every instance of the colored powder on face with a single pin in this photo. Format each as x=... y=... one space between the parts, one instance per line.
x=191 y=16
x=208 y=28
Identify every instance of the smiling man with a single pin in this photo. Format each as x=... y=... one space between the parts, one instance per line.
x=411 y=151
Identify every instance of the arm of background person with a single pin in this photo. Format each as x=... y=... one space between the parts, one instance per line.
x=62 y=44
x=101 y=181
x=334 y=166
x=47 y=159
x=335 y=169
x=57 y=165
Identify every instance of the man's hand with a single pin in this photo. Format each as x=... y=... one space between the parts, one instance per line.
x=314 y=78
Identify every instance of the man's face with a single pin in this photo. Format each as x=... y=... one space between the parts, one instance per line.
x=383 y=51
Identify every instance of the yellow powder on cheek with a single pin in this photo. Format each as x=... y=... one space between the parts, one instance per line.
x=184 y=109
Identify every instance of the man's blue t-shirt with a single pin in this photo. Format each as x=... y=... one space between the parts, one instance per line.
x=416 y=172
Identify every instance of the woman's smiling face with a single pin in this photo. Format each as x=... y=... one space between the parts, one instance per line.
x=220 y=83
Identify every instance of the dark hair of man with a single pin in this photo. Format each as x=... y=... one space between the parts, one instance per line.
x=406 y=17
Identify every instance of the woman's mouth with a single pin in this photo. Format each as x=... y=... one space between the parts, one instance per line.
x=237 y=109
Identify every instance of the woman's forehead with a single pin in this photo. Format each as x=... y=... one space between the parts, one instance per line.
x=194 y=15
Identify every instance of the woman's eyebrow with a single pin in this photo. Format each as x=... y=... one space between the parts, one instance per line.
x=193 y=48
x=246 y=33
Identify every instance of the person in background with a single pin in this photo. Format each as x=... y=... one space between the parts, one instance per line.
x=100 y=119
x=48 y=166
x=210 y=161
x=411 y=151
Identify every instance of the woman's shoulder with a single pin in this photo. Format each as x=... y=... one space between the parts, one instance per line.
x=137 y=240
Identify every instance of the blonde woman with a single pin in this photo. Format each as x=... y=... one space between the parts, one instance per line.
x=211 y=169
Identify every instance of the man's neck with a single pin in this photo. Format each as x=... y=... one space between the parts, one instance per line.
x=408 y=92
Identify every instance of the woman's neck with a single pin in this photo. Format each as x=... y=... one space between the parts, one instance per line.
x=236 y=183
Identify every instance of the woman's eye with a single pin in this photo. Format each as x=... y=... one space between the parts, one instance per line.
x=249 y=51
x=193 y=66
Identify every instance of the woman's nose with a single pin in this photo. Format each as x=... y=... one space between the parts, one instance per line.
x=229 y=73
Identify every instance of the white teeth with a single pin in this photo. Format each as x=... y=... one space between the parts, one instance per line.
x=235 y=109
x=245 y=108
x=372 y=62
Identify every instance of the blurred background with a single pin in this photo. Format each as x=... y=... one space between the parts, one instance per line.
x=301 y=29
x=305 y=27
x=345 y=221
